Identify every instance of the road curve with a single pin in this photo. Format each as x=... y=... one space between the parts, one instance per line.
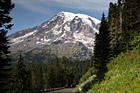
x=65 y=90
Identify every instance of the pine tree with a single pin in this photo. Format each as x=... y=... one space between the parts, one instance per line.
x=38 y=77
x=102 y=48
x=91 y=61
x=130 y=22
x=63 y=71
x=57 y=61
x=21 y=77
x=124 y=24
x=5 y=8
x=70 y=76
x=37 y=73
x=115 y=27
x=49 y=77
x=57 y=70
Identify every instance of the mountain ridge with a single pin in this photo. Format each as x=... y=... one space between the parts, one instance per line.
x=64 y=28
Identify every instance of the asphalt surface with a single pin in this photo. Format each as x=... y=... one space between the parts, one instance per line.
x=65 y=90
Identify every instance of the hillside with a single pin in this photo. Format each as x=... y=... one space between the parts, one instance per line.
x=116 y=62
x=123 y=75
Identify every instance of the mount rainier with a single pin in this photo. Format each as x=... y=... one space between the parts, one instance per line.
x=65 y=34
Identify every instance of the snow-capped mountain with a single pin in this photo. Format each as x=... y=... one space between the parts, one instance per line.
x=65 y=34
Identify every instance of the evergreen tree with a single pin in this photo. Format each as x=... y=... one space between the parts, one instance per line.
x=130 y=22
x=63 y=71
x=57 y=61
x=49 y=77
x=37 y=77
x=70 y=77
x=5 y=8
x=102 y=48
x=91 y=61
x=124 y=24
x=21 y=77
x=57 y=70
x=115 y=27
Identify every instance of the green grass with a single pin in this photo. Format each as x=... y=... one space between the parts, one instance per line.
x=87 y=75
x=84 y=78
x=123 y=75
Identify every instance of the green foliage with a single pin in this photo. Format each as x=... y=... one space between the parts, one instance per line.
x=37 y=75
x=61 y=73
x=102 y=48
x=87 y=86
x=50 y=77
x=21 y=78
x=42 y=57
x=91 y=61
x=123 y=24
x=123 y=70
x=115 y=27
x=130 y=21
x=85 y=77
x=58 y=75
x=136 y=42
x=79 y=68
x=5 y=9
x=123 y=75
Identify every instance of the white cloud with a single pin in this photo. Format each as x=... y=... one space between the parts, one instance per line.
x=85 y=4
x=33 y=5
x=89 y=5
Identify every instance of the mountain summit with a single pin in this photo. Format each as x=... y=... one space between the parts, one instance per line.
x=65 y=34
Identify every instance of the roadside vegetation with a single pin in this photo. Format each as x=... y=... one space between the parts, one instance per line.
x=116 y=59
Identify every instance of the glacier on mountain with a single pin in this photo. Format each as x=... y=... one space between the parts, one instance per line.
x=64 y=28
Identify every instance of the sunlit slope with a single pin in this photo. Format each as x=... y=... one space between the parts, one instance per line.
x=123 y=75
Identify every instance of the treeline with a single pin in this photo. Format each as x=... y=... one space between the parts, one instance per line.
x=37 y=77
x=116 y=33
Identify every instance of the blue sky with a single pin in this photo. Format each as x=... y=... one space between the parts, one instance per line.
x=29 y=13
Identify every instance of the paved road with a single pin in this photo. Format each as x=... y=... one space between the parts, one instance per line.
x=66 y=90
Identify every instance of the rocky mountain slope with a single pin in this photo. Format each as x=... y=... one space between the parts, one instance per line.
x=65 y=34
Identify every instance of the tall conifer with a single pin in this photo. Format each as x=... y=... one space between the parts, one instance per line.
x=5 y=8
x=102 y=48
x=130 y=22
x=21 y=77
x=115 y=27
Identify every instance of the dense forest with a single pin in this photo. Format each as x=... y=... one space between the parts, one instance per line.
x=35 y=77
x=115 y=61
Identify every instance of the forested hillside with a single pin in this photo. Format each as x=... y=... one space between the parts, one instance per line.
x=116 y=51
x=44 y=76
x=123 y=75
